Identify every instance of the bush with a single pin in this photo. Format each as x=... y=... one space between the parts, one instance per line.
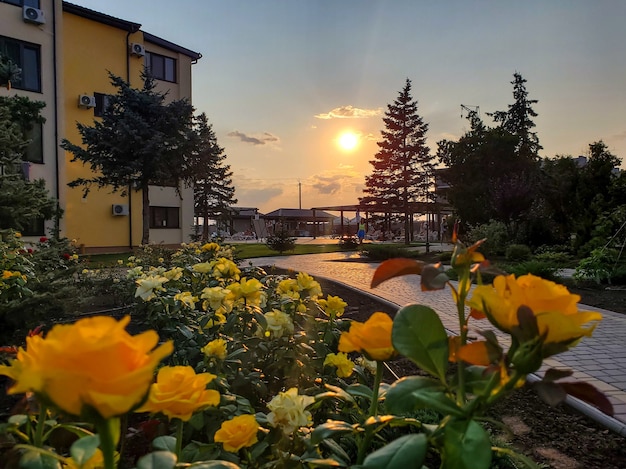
x=445 y=256
x=497 y=238
x=542 y=269
x=517 y=252
x=597 y=266
x=281 y=242
x=559 y=259
x=381 y=252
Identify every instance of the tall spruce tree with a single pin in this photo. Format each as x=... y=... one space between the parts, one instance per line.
x=212 y=178
x=402 y=168
x=141 y=140
x=22 y=202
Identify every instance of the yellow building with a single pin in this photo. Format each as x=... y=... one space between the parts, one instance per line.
x=76 y=48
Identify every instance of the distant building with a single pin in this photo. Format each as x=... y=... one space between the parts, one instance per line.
x=300 y=222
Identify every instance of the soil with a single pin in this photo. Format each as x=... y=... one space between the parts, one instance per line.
x=555 y=437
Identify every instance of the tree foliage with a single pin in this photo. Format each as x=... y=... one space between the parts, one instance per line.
x=141 y=140
x=492 y=171
x=212 y=178
x=403 y=165
x=22 y=202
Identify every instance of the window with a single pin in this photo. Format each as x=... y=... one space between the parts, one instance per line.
x=161 y=67
x=164 y=217
x=26 y=3
x=34 y=151
x=26 y=57
x=36 y=227
x=102 y=102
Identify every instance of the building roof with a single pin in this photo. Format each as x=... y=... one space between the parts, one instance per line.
x=101 y=17
x=300 y=214
x=171 y=46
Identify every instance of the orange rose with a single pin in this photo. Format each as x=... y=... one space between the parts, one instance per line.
x=373 y=337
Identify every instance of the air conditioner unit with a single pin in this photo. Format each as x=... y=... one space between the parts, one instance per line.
x=33 y=15
x=137 y=49
x=119 y=209
x=86 y=101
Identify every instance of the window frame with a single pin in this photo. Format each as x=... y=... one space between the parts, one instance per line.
x=35 y=147
x=102 y=102
x=23 y=3
x=164 y=214
x=150 y=66
x=23 y=45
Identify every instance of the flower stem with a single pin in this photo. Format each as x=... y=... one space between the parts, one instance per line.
x=41 y=423
x=106 y=433
x=179 y=438
x=378 y=378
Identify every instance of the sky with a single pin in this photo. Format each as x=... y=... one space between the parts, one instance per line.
x=282 y=80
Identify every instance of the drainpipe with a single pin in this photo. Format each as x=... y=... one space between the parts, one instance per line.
x=130 y=187
x=57 y=227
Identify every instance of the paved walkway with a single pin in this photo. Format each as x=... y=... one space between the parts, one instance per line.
x=599 y=360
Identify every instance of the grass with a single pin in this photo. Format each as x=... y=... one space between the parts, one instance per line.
x=242 y=250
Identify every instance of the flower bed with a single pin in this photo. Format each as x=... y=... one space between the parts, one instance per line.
x=264 y=371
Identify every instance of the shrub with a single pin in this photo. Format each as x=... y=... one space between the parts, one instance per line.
x=517 y=252
x=597 y=266
x=542 y=269
x=559 y=259
x=381 y=252
x=281 y=242
x=496 y=236
x=445 y=256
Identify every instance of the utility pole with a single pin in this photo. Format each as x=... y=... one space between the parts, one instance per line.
x=299 y=195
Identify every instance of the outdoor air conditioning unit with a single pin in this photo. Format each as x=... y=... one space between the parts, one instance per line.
x=137 y=49
x=86 y=101
x=33 y=15
x=119 y=209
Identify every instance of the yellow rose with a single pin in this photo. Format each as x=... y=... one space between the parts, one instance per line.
x=239 y=432
x=333 y=306
x=187 y=299
x=174 y=273
x=215 y=348
x=147 y=286
x=219 y=299
x=278 y=323
x=307 y=283
x=210 y=247
x=552 y=304
x=373 y=337
x=250 y=291
x=225 y=269
x=288 y=288
x=92 y=362
x=288 y=411
x=94 y=462
x=344 y=365
x=202 y=267
x=179 y=392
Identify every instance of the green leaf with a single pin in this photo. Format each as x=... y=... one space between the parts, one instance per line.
x=37 y=460
x=434 y=278
x=416 y=392
x=406 y=451
x=419 y=335
x=19 y=419
x=157 y=460
x=84 y=448
x=165 y=443
x=213 y=465
x=359 y=390
x=330 y=429
x=466 y=446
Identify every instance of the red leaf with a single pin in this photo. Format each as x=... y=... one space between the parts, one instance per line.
x=395 y=268
x=588 y=393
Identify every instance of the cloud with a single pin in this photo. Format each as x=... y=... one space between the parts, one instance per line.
x=265 y=138
x=254 y=192
x=620 y=136
x=331 y=183
x=350 y=112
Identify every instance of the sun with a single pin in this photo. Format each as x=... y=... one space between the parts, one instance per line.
x=348 y=140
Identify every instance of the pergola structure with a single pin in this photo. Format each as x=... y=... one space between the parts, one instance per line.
x=434 y=208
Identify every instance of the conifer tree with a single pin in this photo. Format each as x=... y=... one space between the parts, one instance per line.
x=402 y=167
x=212 y=178
x=140 y=141
x=22 y=202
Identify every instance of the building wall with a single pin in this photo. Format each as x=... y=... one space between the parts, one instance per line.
x=48 y=37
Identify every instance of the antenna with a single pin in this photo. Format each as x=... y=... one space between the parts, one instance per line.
x=469 y=108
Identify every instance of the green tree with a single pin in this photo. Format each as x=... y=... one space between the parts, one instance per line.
x=22 y=202
x=141 y=140
x=493 y=171
x=402 y=168
x=212 y=178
